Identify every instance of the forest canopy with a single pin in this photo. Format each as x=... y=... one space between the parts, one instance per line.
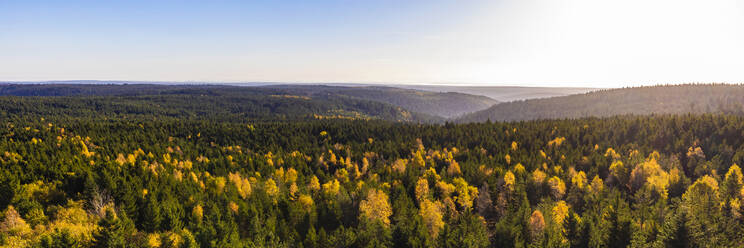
x=614 y=182
x=112 y=171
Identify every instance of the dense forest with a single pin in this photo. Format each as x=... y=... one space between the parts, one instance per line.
x=435 y=104
x=442 y=104
x=663 y=99
x=187 y=170
x=223 y=104
x=504 y=93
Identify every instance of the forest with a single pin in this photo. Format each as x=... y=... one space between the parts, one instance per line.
x=433 y=104
x=645 y=100
x=186 y=171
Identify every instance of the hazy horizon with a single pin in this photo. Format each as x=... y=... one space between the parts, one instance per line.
x=537 y=43
x=392 y=84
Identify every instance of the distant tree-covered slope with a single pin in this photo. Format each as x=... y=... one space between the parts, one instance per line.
x=190 y=102
x=673 y=99
x=444 y=104
x=430 y=103
x=67 y=89
x=504 y=93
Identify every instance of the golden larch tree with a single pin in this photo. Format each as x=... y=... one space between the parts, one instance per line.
x=432 y=214
x=376 y=207
x=537 y=225
x=422 y=190
x=557 y=187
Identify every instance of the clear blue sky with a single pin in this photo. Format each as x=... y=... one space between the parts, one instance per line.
x=519 y=42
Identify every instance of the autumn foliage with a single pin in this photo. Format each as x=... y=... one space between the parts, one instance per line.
x=147 y=182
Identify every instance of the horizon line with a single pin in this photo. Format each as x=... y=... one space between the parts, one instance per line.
x=263 y=83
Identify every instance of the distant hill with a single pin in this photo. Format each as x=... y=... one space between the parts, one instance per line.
x=224 y=103
x=674 y=99
x=430 y=103
x=504 y=93
x=447 y=104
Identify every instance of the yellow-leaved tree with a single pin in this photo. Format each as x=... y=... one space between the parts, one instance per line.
x=557 y=187
x=242 y=184
x=365 y=166
x=197 y=213
x=418 y=159
x=233 y=207
x=290 y=176
x=579 y=180
x=422 y=190
x=306 y=202
x=293 y=190
x=519 y=170
x=596 y=186
x=271 y=188
x=432 y=213
x=453 y=168
x=218 y=184
x=465 y=193
x=510 y=180
x=445 y=189
x=376 y=207
x=732 y=183
x=537 y=226
x=560 y=213
x=558 y=141
x=314 y=184
x=13 y=224
x=650 y=174
x=400 y=165
x=85 y=150
x=331 y=188
x=611 y=153
x=538 y=176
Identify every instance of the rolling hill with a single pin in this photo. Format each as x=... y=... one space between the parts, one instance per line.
x=444 y=105
x=671 y=99
x=504 y=93
x=222 y=103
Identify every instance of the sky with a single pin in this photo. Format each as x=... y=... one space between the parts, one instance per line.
x=581 y=43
